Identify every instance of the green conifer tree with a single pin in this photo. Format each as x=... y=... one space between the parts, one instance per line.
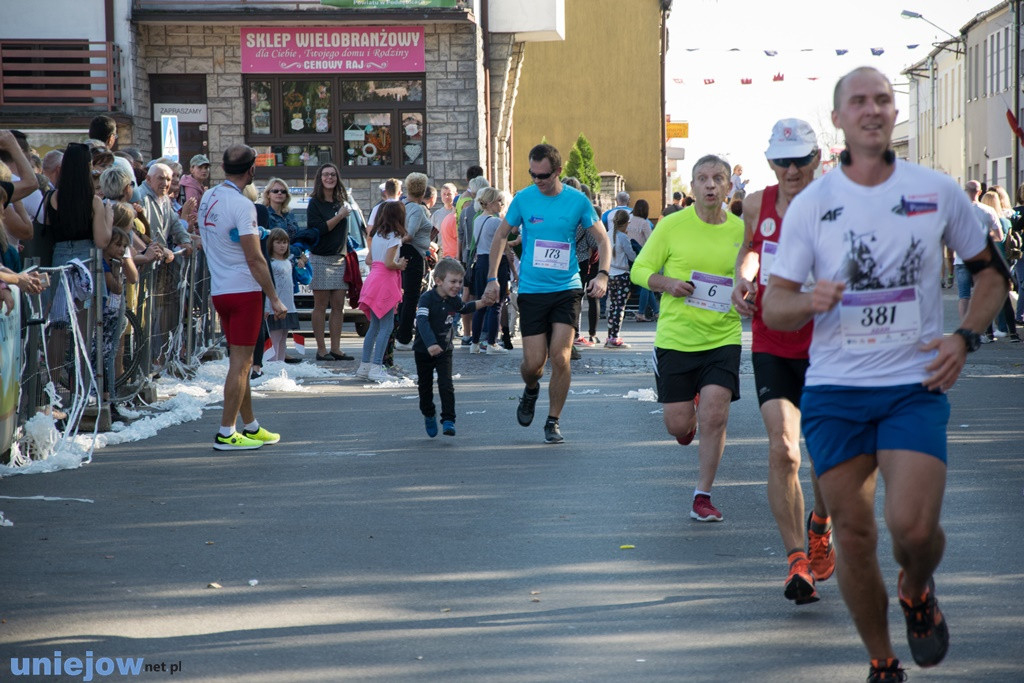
x=588 y=169
x=573 y=167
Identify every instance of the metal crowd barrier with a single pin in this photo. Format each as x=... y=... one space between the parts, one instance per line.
x=168 y=326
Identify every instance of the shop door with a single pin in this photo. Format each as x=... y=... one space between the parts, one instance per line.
x=183 y=95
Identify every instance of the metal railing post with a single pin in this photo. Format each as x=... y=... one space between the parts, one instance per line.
x=190 y=291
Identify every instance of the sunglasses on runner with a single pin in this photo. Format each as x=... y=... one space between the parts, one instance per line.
x=799 y=162
x=541 y=176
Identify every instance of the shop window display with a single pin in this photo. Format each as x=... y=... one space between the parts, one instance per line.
x=368 y=127
x=260 y=93
x=293 y=155
x=367 y=138
x=306 y=107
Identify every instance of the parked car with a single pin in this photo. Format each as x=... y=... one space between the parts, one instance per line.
x=304 y=297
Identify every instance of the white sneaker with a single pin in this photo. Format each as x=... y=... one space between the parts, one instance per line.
x=363 y=371
x=378 y=374
x=998 y=334
x=495 y=350
x=403 y=347
x=475 y=348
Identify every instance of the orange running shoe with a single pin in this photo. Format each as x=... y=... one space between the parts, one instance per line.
x=821 y=551
x=800 y=583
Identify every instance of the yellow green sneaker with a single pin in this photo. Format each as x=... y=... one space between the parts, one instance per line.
x=261 y=435
x=235 y=442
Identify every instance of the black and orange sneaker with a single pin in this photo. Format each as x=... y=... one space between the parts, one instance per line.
x=886 y=671
x=820 y=550
x=800 y=582
x=927 y=631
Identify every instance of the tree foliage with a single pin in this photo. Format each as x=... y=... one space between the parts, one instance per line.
x=581 y=164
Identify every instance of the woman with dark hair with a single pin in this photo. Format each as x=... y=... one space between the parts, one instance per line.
x=76 y=217
x=638 y=230
x=330 y=213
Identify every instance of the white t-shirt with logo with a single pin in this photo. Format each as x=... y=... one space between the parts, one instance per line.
x=885 y=242
x=224 y=216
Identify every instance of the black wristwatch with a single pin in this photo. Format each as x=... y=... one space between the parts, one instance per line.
x=970 y=337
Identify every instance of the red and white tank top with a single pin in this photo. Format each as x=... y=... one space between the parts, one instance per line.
x=767 y=233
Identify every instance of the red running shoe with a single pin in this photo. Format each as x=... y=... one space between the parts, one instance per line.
x=703 y=510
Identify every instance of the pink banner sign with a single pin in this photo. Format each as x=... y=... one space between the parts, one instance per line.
x=345 y=49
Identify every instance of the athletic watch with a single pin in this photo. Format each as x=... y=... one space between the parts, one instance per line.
x=971 y=338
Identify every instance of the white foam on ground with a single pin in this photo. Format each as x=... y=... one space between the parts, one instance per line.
x=180 y=401
x=48 y=498
x=643 y=395
x=584 y=391
x=397 y=383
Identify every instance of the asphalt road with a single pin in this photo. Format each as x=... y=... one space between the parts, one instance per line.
x=382 y=555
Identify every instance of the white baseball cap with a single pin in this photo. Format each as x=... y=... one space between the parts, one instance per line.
x=791 y=138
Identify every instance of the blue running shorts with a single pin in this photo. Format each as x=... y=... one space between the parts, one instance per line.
x=840 y=423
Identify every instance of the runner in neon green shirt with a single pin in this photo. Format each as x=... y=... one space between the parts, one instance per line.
x=697 y=343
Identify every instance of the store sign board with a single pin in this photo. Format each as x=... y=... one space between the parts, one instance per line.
x=345 y=49
x=677 y=129
x=186 y=113
x=391 y=4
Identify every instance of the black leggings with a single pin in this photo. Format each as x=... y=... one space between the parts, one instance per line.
x=412 y=283
x=588 y=270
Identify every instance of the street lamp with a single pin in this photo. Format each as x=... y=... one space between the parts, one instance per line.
x=907 y=14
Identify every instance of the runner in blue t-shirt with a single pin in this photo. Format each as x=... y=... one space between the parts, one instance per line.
x=550 y=290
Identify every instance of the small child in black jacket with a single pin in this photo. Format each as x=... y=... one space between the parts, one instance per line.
x=438 y=310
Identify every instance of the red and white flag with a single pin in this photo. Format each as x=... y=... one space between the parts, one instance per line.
x=300 y=343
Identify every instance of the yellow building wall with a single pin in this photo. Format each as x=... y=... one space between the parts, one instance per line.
x=603 y=80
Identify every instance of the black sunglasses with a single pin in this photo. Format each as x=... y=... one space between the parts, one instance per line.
x=541 y=176
x=799 y=162
x=278 y=190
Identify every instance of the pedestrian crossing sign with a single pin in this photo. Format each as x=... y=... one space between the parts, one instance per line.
x=169 y=136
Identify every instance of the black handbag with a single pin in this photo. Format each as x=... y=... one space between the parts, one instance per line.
x=42 y=243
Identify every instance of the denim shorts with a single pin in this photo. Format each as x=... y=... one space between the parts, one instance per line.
x=840 y=423
x=964 y=281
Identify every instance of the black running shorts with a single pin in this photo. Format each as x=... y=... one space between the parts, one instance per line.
x=777 y=377
x=681 y=374
x=538 y=312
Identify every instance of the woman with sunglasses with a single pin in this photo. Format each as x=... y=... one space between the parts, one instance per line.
x=329 y=213
x=277 y=198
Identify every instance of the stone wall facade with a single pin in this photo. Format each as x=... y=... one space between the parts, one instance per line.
x=455 y=125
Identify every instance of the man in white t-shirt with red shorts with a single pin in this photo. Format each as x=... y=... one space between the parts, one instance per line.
x=239 y=277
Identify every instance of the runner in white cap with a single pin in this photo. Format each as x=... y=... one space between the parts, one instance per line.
x=780 y=360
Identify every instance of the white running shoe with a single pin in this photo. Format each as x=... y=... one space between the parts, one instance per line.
x=378 y=374
x=363 y=371
x=495 y=350
x=475 y=348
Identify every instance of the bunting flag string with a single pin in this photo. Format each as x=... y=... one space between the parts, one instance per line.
x=875 y=51
x=745 y=80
